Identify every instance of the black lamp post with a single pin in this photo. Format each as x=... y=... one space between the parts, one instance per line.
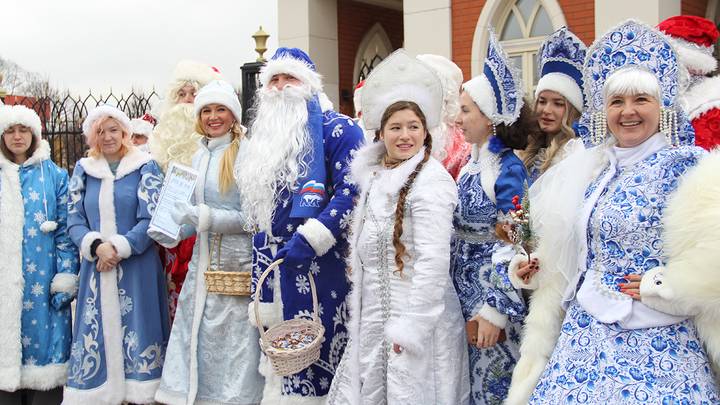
x=250 y=72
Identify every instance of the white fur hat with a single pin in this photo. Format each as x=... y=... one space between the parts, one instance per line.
x=400 y=77
x=106 y=110
x=449 y=73
x=189 y=70
x=19 y=114
x=218 y=92
x=141 y=127
x=294 y=62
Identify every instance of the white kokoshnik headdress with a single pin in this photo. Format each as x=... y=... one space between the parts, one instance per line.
x=400 y=77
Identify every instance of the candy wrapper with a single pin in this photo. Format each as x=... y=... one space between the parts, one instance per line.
x=293 y=341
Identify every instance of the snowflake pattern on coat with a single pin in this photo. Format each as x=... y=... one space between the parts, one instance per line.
x=342 y=137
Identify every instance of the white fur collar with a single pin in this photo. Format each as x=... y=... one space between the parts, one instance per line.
x=41 y=153
x=99 y=168
x=368 y=160
x=702 y=97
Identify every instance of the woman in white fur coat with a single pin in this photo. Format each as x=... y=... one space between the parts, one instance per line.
x=407 y=343
x=121 y=328
x=585 y=339
x=213 y=353
x=38 y=271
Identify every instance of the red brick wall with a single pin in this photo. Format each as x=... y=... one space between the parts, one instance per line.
x=693 y=7
x=354 y=20
x=579 y=14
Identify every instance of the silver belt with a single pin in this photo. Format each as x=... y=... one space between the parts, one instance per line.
x=475 y=237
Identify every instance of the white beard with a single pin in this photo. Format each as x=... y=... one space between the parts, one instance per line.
x=271 y=161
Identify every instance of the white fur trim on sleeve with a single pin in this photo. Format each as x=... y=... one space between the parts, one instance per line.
x=406 y=334
x=64 y=282
x=516 y=281
x=204 y=218
x=122 y=245
x=493 y=316
x=318 y=236
x=86 y=244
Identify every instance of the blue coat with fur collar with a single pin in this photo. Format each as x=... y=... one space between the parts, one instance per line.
x=121 y=327
x=328 y=231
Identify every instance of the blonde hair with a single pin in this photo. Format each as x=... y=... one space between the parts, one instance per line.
x=94 y=150
x=226 y=176
x=553 y=142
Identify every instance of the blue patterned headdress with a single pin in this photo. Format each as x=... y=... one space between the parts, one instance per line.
x=632 y=45
x=498 y=91
x=560 y=64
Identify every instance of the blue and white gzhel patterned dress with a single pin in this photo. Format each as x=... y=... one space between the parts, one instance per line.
x=479 y=265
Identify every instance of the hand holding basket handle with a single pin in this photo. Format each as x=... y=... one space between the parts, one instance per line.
x=288 y=361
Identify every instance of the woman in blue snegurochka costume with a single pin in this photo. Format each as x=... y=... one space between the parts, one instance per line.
x=213 y=353
x=558 y=104
x=39 y=264
x=495 y=121
x=122 y=325
x=606 y=229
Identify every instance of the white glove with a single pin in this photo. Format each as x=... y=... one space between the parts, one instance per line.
x=162 y=239
x=185 y=213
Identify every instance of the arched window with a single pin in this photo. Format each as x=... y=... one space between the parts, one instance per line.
x=521 y=27
x=374 y=47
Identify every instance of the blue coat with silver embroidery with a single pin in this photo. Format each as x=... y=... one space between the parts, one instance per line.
x=122 y=326
x=341 y=137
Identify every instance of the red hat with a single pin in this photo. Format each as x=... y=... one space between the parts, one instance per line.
x=356 y=98
x=694 y=39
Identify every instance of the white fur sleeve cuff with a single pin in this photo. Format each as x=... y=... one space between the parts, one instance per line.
x=516 y=281
x=407 y=334
x=656 y=294
x=318 y=236
x=86 y=244
x=493 y=316
x=204 y=218
x=64 y=283
x=122 y=245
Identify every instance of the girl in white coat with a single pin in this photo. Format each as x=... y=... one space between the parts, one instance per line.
x=406 y=329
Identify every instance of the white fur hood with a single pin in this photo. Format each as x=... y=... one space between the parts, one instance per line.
x=702 y=97
x=369 y=160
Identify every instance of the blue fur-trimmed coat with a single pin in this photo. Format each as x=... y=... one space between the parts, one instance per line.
x=38 y=274
x=342 y=137
x=122 y=326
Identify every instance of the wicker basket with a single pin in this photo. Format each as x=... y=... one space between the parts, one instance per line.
x=225 y=282
x=290 y=361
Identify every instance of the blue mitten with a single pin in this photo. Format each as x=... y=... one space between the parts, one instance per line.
x=297 y=253
x=60 y=300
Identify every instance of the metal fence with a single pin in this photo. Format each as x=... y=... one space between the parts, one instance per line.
x=62 y=119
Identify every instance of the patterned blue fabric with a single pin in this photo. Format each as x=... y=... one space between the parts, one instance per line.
x=597 y=362
x=479 y=281
x=342 y=137
x=631 y=44
x=562 y=52
x=505 y=81
x=45 y=320
x=142 y=292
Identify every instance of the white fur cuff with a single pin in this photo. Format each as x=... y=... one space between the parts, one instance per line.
x=270 y=314
x=516 y=281
x=87 y=242
x=204 y=218
x=122 y=245
x=492 y=315
x=64 y=283
x=407 y=334
x=318 y=236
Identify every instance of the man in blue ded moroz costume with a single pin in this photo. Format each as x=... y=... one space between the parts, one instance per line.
x=292 y=176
